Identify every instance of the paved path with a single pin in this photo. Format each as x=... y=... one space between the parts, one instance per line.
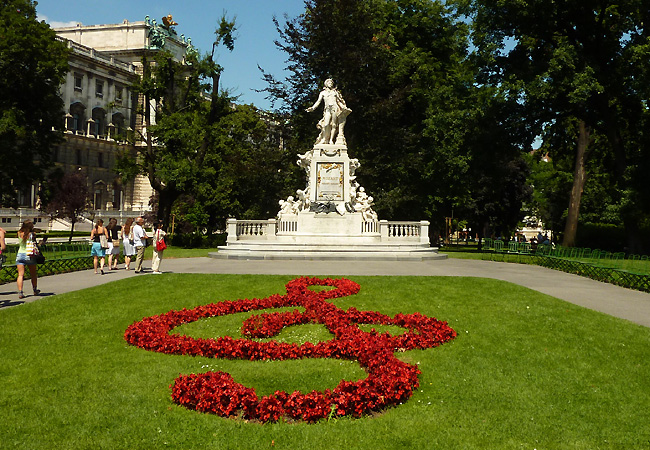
x=616 y=301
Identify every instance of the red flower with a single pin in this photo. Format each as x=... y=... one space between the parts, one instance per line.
x=389 y=382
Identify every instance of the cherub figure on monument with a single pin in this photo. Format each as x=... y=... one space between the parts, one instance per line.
x=335 y=113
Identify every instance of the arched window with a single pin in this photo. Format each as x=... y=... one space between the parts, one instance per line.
x=78 y=117
x=99 y=127
x=120 y=130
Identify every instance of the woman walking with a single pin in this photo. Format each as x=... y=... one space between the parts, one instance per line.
x=127 y=242
x=25 y=257
x=113 y=244
x=158 y=247
x=98 y=251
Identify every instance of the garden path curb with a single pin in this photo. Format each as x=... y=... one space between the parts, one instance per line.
x=609 y=299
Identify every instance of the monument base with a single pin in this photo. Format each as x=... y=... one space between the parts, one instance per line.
x=323 y=253
x=316 y=236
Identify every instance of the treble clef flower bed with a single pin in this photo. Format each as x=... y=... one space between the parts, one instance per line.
x=389 y=382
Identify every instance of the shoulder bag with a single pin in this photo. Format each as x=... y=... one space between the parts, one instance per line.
x=160 y=243
x=103 y=240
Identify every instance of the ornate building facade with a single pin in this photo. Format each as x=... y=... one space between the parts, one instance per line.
x=101 y=121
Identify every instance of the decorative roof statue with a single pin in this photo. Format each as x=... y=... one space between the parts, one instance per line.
x=168 y=23
x=335 y=113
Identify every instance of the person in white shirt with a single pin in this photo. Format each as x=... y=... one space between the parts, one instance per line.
x=139 y=236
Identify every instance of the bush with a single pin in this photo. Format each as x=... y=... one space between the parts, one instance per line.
x=196 y=240
x=601 y=235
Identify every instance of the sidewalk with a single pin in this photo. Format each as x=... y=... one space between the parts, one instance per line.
x=616 y=301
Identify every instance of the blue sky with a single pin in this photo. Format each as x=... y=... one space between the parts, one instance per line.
x=198 y=20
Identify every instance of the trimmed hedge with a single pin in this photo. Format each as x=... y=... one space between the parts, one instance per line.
x=195 y=240
x=608 y=237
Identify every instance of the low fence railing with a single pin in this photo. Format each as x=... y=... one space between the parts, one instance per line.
x=252 y=229
x=241 y=230
x=59 y=258
x=631 y=271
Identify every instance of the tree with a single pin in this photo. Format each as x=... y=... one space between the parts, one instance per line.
x=179 y=121
x=70 y=199
x=401 y=68
x=497 y=175
x=575 y=65
x=243 y=175
x=33 y=64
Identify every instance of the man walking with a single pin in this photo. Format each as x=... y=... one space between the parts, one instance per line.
x=139 y=235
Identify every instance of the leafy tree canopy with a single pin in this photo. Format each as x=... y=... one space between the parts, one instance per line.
x=33 y=64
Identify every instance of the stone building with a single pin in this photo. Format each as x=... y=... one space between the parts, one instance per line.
x=100 y=112
x=100 y=107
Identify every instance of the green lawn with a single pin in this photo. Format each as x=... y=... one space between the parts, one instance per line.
x=526 y=371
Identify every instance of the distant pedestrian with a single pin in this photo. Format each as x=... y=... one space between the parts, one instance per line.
x=3 y=246
x=127 y=242
x=139 y=242
x=113 y=250
x=98 y=251
x=25 y=257
x=159 y=247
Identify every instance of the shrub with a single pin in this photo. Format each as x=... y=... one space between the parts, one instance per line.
x=197 y=240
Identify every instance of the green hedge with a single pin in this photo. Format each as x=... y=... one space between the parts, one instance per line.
x=608 y=237
x=195 y=240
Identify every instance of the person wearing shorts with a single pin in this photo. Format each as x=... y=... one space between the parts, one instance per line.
x=25 y=239
x=113 y=250
x=97 y=252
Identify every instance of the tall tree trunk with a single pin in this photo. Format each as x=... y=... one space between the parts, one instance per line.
x=71 y=230
x=166 y=199
x=579 y=178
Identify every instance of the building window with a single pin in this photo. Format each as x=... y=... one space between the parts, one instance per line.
x=100 y=160
x=99 y=88
x=6 y=220
x=99 y=118
x=77 y=111
x=119 y=92
x=78 y=80
x=79 y=160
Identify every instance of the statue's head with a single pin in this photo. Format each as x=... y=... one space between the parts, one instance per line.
x=329 y=83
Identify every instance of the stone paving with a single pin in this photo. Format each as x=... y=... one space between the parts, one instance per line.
x=616 y=301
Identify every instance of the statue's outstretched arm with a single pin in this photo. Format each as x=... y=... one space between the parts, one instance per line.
x=315 y=105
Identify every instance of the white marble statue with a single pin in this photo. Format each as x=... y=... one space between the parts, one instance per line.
x=364 y=206
x=361 y=195
x=335 y=113
x=304 y=161
x=303 y=199
x=354 y=165
x=287 y=206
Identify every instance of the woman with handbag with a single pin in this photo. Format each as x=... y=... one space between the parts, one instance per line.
x=159 y=246
x=27 y=250
x=113 y=250
x=99 y=238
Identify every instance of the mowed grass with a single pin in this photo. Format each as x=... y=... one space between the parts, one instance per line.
x=526 y=371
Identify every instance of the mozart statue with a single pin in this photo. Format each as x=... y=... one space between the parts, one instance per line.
x=335 y=113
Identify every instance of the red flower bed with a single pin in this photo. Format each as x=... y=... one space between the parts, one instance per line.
x=389 y=382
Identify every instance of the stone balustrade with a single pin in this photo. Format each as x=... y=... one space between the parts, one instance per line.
x=389 y=231
x=287 y=226
x=250 y=229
